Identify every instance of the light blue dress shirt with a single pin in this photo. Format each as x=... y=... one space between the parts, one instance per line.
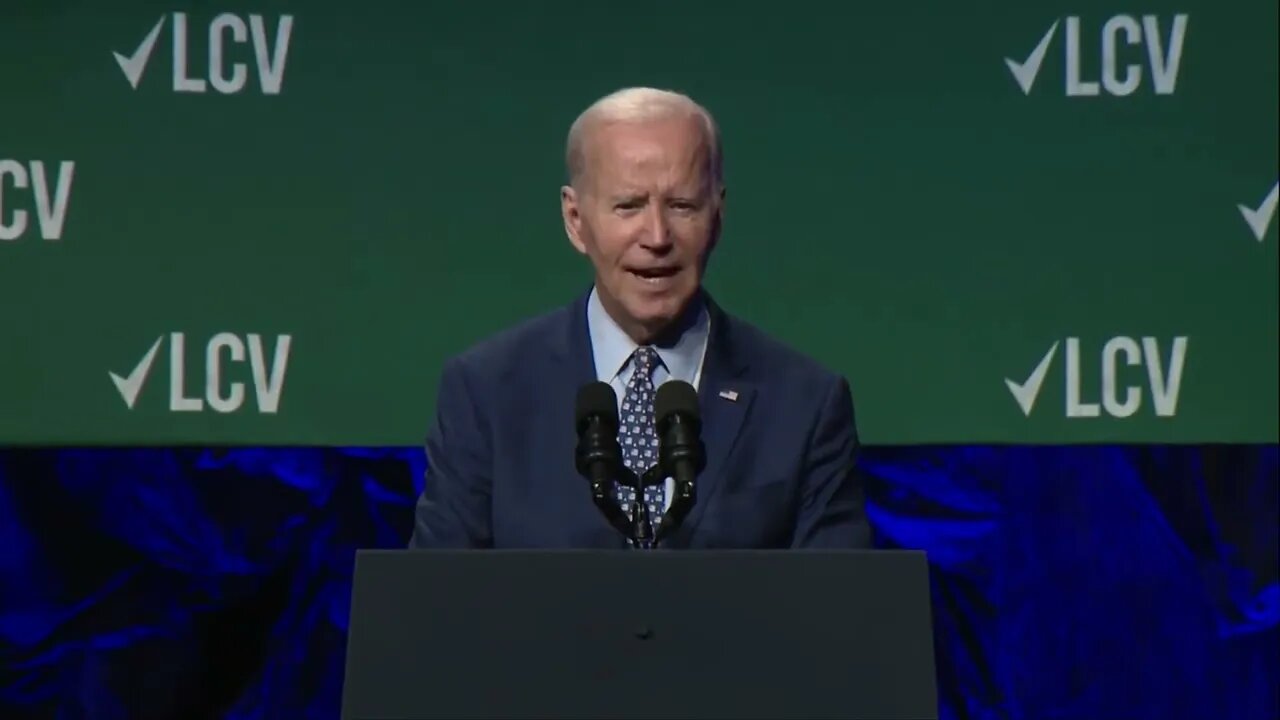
x=612 y=349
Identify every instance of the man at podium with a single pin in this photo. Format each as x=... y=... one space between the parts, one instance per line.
x=777 y=446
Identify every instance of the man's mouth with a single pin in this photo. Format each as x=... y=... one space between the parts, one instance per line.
x=654 y=275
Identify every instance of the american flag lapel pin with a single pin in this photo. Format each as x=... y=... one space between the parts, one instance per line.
x=730 y=395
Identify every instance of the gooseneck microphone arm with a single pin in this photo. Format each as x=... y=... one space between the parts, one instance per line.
x=681 y=503
x=681 y=453
x=602 y=496
x=598 y=458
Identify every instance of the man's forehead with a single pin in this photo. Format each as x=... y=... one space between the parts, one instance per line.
x=673 y=133
x=624 y=180
x=620 y=153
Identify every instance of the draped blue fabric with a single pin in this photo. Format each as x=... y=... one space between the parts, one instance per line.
x=1082 y=582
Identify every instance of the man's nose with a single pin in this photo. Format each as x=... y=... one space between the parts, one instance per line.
x=657 y=235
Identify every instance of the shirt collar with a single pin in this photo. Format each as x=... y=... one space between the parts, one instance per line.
x=612 y=348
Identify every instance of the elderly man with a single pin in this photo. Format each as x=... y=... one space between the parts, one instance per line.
x=644 y=203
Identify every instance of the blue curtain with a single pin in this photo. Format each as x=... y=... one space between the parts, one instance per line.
x=1083 y=582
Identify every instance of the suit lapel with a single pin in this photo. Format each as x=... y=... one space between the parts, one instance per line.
x=724 y=398
x=571 y=350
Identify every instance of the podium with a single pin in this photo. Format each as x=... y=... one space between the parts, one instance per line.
x=597 y=634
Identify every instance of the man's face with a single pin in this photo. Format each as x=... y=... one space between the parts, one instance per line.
x=647 y=214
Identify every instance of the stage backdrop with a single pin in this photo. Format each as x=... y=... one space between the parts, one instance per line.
x=271 y=222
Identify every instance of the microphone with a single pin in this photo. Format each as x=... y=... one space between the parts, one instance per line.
x=596 y=418
x=681 y=452
x=598 y=457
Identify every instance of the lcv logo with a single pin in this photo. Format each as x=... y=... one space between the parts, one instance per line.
x=36 y=191
x=224 y=356
x=232 y=41
x=1132 y=52
x=1118 y=378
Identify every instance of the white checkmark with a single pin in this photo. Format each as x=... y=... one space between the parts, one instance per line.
x=1260 y=220
x=134 y=65
x=1025 y=72
x=1026 y=393
x=129 y=387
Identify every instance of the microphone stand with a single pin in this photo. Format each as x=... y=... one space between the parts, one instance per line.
x=637 y=529
x=642 y=536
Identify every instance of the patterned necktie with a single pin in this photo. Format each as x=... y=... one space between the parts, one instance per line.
x=637 y=436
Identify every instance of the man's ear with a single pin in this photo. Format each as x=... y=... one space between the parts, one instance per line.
x=571 y=213
x=717 y=222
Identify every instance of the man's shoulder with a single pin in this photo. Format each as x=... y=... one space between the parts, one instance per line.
x=775 y=360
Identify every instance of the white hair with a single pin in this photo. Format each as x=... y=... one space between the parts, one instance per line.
x=639 y=104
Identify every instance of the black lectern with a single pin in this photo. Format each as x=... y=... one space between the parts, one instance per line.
x=625 y=634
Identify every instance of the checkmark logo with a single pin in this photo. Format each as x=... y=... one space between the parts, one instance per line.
x=134 y=65
x=1025 y=72
x=130 y=386
x=1025 y=393
x=1260 y=220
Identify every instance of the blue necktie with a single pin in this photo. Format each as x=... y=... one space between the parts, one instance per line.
x=637 y=436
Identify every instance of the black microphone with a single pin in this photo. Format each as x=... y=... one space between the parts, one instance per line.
x=680 y=448
x=598 y=456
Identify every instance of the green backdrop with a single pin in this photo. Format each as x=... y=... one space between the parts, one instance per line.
x=1003 y=222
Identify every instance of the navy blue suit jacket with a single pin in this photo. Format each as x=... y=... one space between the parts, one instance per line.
x=780 y=468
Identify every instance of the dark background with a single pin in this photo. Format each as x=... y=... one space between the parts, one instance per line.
x=1090 y=582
